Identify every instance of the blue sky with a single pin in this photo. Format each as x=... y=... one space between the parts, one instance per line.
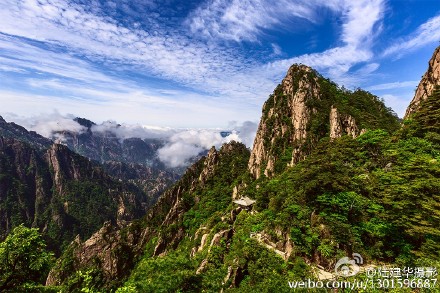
x=203 y=63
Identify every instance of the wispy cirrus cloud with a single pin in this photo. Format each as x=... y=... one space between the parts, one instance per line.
x=24 y=56
x=393 y=85
x=67 y=29
x=245 y=20
x=191 y=67
x=426 y=33
x=173 y=54
x=361 y=22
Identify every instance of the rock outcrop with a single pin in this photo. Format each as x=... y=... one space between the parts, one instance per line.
x=285 y=135
x=60 y=192
x=113 y=249
x=305 y=108
x=342 y=124
x=284 y=120
x=133 y=159
x=130 y=159
x=25 y=186
x=427 y=85
x=47 y=185
x=167 y=212
x=196 y=177
x=15 y=131
x=209 y=165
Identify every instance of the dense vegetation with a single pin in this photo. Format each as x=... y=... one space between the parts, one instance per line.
x=367 y=110
x=377 y=194
x=24 y=261
x=76 y=199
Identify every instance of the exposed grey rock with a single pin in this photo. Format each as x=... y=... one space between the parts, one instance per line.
x=429 y=81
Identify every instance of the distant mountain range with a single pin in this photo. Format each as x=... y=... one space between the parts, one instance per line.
x=333 y=174
x=48 y=185
x=78 y=164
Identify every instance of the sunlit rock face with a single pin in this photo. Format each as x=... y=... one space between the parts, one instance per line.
x=426 y=87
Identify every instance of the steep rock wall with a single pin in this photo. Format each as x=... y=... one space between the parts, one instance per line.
x=426 y=87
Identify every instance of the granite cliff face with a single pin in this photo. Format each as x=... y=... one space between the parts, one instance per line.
x=38 y=176
x=62 y=193
x=199 y=230
x=198 y=215
x=426 y=87
x=12 y=130
x=115 y=250
x=343 y=124
x=285 y=117
x=25 y=183
x=163 y=223
x=301 y=111
x=132 y=159
x=106 y=146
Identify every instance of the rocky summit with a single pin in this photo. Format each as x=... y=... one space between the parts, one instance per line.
x=430 y=80
x=304 y=108
x=333 y=174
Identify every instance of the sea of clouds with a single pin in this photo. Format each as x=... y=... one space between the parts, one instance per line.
x=181 y=145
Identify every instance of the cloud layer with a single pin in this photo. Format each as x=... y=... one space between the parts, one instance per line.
x=185 y=145
x=181 y=145
x=428 y=32
x=177 y=64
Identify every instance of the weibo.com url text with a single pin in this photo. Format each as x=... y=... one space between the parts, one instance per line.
x=365 y=284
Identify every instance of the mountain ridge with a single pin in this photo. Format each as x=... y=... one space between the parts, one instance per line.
x=304 y=108
x=182 y=223
x=427 y=84
x=316 y=187
x=129 y=161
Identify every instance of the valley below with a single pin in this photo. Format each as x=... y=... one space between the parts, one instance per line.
x=335 y=187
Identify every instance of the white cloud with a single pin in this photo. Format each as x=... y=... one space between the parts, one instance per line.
x=335 y=62
x=173 y=55
x=130 y=106
x=47 y=125
x=245 y=20
x=181 y=146
x=124 y=131
x=361 y=22
x=427 y=33
x=276 y=49
x=244 y=132
x=69 y=26
x=11 y=69
x=63 y=32
x=367 y=69
x=178 y=154
x=185 y=145
x=398 y=103
x=393 y=85
x=19 y=54
x=67 y=30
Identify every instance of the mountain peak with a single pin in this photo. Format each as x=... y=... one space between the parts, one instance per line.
x=299 y=68
x=304 y=108
x=284 y=121
x=15 y=131
x=430 y=80
x=84 y=122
